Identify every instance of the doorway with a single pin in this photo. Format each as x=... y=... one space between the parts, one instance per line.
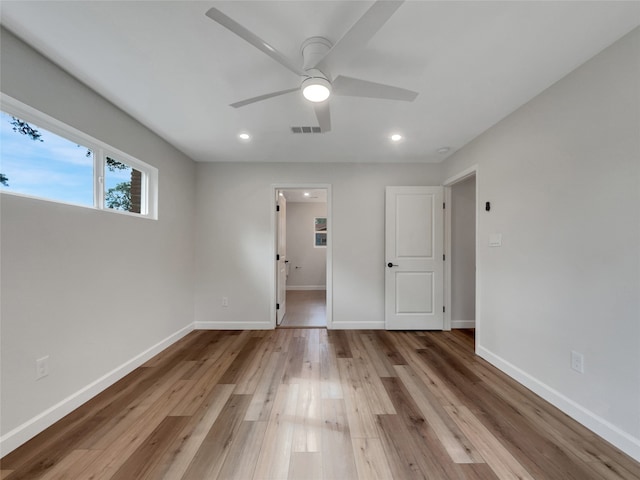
x=302 y=229
x=461 y=248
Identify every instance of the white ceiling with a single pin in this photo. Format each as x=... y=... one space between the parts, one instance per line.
x=297 y=195
x=176 y=71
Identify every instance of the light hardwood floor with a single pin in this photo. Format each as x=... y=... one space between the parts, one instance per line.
x=305 y=308
x=317 y=404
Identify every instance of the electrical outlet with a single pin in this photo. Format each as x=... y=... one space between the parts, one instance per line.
x=577 y=362
x=42 y=367
x=225 y=301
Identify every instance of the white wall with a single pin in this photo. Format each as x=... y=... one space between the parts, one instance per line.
x=234 y=244
x=94 y=290
x=562 y=173
x=307 y=263
x=563 y=177
x=463 y=254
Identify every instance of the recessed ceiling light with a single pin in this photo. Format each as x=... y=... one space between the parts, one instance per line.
x=443 y=150
x=306 y=194
x=244 y=136
x=396 y=137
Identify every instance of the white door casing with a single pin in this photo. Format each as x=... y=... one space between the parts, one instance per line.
x=281 y=258
x=275 y=188
x=414 y=264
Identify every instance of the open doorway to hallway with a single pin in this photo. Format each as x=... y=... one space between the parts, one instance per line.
x=302 y=240
x=463 y=253
x=305 y=308
x=461 y=247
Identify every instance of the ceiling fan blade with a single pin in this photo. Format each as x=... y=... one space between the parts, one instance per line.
x=323 y=115
x=354 y=87
x=230 y=24
x=359 y=34
x=259 y=98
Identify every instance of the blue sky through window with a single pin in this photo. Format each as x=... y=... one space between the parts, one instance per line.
x=55 y=168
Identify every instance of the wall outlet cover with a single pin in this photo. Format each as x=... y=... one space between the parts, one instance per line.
x=42 y=367
x=577 y=361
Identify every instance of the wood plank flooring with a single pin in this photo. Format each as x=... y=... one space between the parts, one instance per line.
x=317 y=404
x=305 y=308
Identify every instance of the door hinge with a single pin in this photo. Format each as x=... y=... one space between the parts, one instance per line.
x=443 y=309
x=444 y=205
x=443 y=257
x=277 y=257
x=277 y=306
x=277 y=208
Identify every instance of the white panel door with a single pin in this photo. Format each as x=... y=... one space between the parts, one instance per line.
x=281 y=259
x=414 y=288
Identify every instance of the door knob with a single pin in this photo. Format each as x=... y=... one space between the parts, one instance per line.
x=391 y=265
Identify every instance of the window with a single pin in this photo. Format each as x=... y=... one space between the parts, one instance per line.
x=40 y=163
x=44 y=158
x=122 y=186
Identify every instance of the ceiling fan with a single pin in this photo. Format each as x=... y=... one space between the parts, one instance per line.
x=320 y=58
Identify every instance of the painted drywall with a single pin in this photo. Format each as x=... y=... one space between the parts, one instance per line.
x=563 y=177
x=463 y=254
x=95 y=291
x=307 y=263
x=234 y=244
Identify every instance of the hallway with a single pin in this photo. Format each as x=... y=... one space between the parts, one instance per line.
x=305 y=308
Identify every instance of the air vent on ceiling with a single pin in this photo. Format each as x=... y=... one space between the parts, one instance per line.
x=306 y=130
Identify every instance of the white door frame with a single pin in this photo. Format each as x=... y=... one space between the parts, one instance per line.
x=448 y=183
x=281 y=261
x=274 y=246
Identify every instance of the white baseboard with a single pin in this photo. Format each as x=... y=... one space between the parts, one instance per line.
x=268 y=326
x=357 y=326
x=233 y=326
x=463 y=324
x=306 y=287
x=614 y=435
x=29 y=429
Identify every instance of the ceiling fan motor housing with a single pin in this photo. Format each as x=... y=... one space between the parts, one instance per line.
x=313 y=50
x=316 y=87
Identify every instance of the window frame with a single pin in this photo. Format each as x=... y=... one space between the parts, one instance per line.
x=100 y=149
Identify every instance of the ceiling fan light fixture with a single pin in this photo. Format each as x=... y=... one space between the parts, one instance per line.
x=316 y=89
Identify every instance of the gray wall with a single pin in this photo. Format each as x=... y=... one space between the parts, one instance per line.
x=307 y=264
x=234 y=246
x=562 y=173
x=91 y=289
x=563 y=177
x=463 y=254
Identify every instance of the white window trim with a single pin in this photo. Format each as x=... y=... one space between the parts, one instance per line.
x=149 y=204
